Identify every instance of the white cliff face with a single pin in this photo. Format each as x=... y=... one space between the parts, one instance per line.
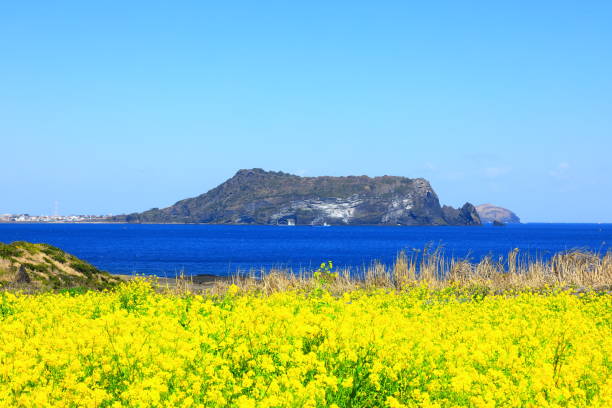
x=343 y=210
x=397 y=208
x=338 y=209
x=376 y=207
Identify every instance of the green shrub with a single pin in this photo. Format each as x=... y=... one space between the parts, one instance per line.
x=59 y=258
x=41 y=267
x=27 y=246
x=8 y=251
x=54 y=253
x=85 y=268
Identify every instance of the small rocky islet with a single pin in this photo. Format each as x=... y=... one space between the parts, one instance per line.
x=492 y=214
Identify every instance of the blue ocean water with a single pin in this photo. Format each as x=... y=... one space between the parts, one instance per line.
x=165 y=250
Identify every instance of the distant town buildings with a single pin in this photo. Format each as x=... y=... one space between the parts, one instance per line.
x=50 y=218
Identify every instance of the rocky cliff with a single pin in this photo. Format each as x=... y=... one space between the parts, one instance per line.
x=489 y=213
x=263 y=197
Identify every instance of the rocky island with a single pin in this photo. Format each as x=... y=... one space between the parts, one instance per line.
x=257 y=196
x=490 y=214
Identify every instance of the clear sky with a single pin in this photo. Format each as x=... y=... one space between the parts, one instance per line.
x=113 y=107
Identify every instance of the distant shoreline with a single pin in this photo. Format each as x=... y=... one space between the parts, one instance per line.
x=249 y=225
x=62 y=222
x=299 y=225
x=193 y=282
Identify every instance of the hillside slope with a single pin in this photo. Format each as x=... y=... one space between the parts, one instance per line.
x=45 y=266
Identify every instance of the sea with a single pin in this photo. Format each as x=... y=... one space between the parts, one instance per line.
x=168 y=250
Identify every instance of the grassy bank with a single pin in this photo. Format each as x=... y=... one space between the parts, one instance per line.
x=39 y=267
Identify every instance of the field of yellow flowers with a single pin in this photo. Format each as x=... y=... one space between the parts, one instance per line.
x=134 y=347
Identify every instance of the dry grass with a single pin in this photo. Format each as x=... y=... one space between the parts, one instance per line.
x=575 y=269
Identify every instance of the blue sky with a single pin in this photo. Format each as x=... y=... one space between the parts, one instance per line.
x=121 y=106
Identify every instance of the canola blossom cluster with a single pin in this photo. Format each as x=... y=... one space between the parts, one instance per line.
x=133 y=347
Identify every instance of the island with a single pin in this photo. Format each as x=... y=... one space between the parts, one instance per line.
x=256 y=196
x=491 y=214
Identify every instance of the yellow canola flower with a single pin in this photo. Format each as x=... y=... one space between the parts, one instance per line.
x=233 y=289
x=133 y=347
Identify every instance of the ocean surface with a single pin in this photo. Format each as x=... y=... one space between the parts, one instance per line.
x=165 y=250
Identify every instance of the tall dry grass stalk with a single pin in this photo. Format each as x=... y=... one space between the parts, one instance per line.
x=578 y=269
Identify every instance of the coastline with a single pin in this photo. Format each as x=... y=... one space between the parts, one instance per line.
x=192 y=282
x=233 y=224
